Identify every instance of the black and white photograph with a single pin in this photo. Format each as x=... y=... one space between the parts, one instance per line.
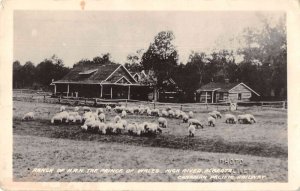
x=161 y=96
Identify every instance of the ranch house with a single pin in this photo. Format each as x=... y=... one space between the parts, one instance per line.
x=107 y=81
x=215 y=92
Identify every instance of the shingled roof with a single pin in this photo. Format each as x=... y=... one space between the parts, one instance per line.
x=217 y=86
x=95 y=74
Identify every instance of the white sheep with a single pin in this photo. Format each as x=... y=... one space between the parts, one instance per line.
x=148 y=111
x=185 y=118
x=163 y=122
x=60 y=117
x=88 y=115
x=99 y=111
x=102 y=128
x=117 y=128
x=252 y=119
x=62 y=108
x=132 y=128
x=135 y=110
x=212 y=114
x=211 y=121
x=124 y=123
x=178 y=114
x=141 y=110
x=72 y=119
x=73 y=113
x=130 y=110
x=102 y=117
x=155 y=112
x=191 y=114
x=117 y=119
x=164 y=113
x=192 y=130
x=76 y=109
x=171 y=113
x=28 y=116
x=108 y=108
x=89 y=123
x=244 y=119
x=218 y=114
x=195 y=122
x=123 y=114
x=140 y=129
x=110 y=127
x=86 y=109
x=229 y=118
x=78 y=118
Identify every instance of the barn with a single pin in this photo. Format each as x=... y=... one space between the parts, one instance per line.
x=216 y=92
x=107 y=81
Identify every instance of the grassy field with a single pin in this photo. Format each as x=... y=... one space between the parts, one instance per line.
x=263 y=146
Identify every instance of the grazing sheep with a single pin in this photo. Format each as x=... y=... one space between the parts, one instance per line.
x=117 y=119
x=168 y=108
x=192 y=129
x=244 y=119
x=86 y=109
x=102 y=117
x=72 y=119
x=140 y=129
x=191 y=114
x=102 y=128
x=252 y=119
x=124 y=123
x=76 y=109
x=60 y=117
x=132 y=128
x=99 y=111
x=163 y=122
x=195 y=122
x=171 y=113
x=123 y=114
x=212 y=115
x=89 y=124
x=62 y=108
x=130 y=110
x=229 y=118
x=218 y=114
x=178 y=114
x=73 y=113
x=185 y=118
x=164 y=113
x=88 y=115
x=141 y=111
x=108 y=108
x=110 y=127
x=78 y=118
x=148 y=111
x=211 y=121
x=28 y=116
x=117 y=128
x=135 y=110
x=155 y=112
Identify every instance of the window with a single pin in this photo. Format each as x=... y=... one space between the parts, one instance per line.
x=221 y=96
x=239 y=96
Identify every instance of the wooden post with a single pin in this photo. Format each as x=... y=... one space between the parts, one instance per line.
x=101 y=91
x=110 y=92
x=54 y=89
x=212 y=97
x=128 y=92
x=206 y=97
x=68 y=88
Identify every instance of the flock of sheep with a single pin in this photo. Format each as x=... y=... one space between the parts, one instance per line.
x=96 y=121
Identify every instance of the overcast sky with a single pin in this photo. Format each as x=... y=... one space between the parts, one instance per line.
x=74 y=35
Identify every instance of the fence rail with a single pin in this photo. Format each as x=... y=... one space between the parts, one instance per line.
x=44 y=97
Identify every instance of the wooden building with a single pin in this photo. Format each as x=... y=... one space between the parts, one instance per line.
x=215 y=92
x=108 y=81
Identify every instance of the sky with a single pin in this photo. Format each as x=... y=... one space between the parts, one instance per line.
x=76 y=35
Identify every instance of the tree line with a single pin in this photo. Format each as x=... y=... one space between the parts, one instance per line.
x=263 y=66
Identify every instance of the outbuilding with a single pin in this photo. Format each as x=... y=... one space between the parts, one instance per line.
x=216 y=92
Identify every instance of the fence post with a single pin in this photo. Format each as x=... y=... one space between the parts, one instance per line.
x=44 y=98
x=59 y=99
x=181 y=107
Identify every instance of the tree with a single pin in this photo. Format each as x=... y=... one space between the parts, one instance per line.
x=16 y=74
x=49 y=69
x=267 y=48
x=133 y=63
x=161 y=57
x=103 y=59
x=27 y=74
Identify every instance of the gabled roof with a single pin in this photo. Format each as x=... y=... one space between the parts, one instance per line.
x=96 y=74
x=223 y=87
x=211 y=86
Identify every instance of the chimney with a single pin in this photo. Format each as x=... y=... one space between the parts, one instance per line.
x=226 y=81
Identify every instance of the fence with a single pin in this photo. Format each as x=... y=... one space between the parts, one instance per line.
x=43 y=97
